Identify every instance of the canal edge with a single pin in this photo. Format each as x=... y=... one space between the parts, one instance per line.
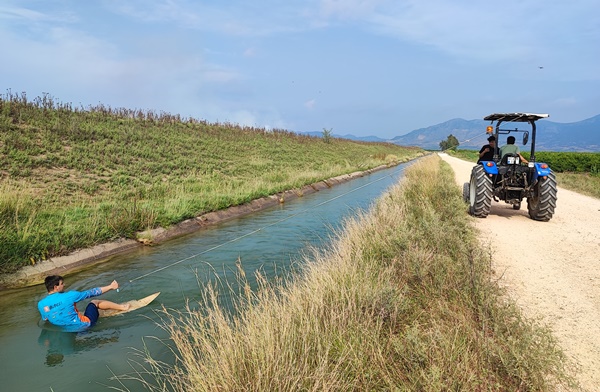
x=83 y=258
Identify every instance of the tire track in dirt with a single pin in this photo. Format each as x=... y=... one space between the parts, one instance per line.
x=551 y=269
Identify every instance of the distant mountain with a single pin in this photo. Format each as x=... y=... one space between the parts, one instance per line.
x=430 y=137
x=581 y=136
x=363 y=138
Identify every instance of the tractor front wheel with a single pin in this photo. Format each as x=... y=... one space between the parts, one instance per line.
x=480 y=193
x=543 y=202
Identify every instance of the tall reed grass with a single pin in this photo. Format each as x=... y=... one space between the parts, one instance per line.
x=402 y=300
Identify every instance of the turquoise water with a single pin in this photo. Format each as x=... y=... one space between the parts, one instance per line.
x=36 y=357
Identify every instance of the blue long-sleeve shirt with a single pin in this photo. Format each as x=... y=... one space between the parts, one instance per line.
x=61 y=308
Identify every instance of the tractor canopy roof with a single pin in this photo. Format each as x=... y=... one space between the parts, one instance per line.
x=515 y=117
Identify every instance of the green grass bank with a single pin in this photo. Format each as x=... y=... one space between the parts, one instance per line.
x=71 y=178
x=404 y=299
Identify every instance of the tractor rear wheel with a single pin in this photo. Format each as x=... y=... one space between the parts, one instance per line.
x=480 y=193
x=543 y=202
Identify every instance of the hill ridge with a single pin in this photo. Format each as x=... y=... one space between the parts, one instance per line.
x=579 y=136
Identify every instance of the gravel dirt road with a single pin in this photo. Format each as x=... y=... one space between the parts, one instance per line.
x=551 y=269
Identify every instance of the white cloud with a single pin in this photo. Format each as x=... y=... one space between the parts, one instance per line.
x=348 y=9
x=14 y=13
x=237 y=18
x=486 y=32
x=250 y=52
x=17 y=14
x=565 y=102
x=310 y=104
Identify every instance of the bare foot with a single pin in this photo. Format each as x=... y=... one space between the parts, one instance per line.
x=125 y=306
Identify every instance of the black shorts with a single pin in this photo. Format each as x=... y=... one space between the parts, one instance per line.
x=91 y=312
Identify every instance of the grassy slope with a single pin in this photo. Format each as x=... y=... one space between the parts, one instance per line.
x=70 y=178
x=403 y=300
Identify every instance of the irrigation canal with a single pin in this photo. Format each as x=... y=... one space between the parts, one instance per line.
x=37 y=357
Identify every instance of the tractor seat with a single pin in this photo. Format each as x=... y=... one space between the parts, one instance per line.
x=510 y=159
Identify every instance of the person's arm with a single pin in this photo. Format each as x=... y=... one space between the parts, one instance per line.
x=113 y=286
x=523 y=159
x=96 y=291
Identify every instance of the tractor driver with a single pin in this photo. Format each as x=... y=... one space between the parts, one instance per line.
x=511 y=148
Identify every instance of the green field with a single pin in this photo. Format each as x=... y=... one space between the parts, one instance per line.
x=72 y=178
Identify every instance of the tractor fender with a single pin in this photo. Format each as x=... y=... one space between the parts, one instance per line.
x=489 y=167
x=541 y=170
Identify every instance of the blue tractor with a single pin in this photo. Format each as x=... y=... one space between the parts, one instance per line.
x=508 y=179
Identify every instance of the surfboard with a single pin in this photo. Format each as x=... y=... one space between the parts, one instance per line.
x=135 y=304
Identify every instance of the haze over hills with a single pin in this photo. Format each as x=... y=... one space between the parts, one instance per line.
x=581 y=136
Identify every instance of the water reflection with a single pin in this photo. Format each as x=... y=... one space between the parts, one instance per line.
x=60 y=344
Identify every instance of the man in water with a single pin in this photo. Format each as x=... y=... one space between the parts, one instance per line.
x=60 y=308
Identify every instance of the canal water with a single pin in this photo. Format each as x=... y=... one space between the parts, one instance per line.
x=36 y=357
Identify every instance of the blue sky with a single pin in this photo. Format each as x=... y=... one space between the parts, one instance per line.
x=362 y=67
